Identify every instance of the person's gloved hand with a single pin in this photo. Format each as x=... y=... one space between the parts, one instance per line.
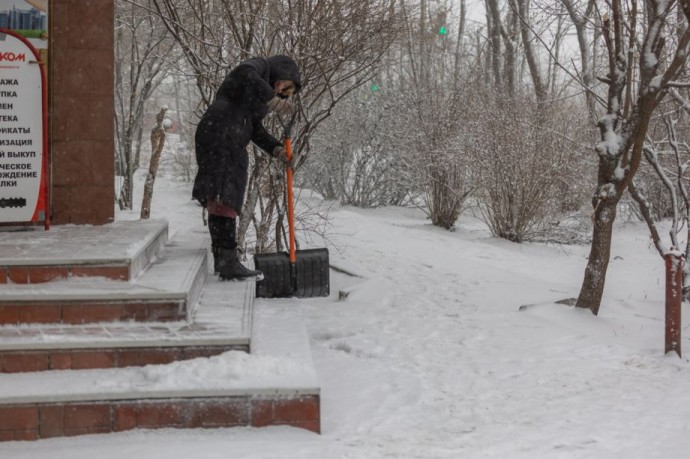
x=282 y=107
x=280 y=153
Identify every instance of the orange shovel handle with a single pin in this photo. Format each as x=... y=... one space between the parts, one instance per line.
x=290 y=200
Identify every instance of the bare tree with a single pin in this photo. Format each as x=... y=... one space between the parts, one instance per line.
x=668 y=157
x=338 y=46
x=582 y=19
x=525 y=147
x=630 y=107
x=142 y=53
x=526 y=167
x=434 y=87
x=361 y=169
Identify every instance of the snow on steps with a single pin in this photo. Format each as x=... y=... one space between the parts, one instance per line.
x=275 y=385
x=165 y=291
x=119 y=251
x=50 y=326
x=221 y=322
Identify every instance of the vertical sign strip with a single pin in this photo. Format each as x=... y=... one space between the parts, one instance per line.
x=23 y=131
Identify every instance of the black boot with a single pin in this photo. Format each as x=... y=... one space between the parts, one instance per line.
x=216 y=259
x=222 y=230
x=231 y=267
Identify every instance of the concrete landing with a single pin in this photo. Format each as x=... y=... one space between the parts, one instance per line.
x=118 y=251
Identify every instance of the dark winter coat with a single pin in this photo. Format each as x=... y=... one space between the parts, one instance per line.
x=231 y=122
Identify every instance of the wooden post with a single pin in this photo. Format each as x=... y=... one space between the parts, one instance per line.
x=157 y=142
x=674 y=298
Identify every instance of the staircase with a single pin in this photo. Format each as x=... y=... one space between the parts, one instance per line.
x=113 y=328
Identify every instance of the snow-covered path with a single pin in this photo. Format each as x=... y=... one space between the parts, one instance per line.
x=459 y=371
x=430 y=357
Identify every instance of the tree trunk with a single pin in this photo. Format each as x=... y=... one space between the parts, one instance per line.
x=609 y=194
x=600 y=253
x=157 y=142
x=493 y=20
x=125 y=198
x=253 y=190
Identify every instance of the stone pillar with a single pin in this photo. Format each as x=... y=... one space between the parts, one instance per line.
x=81 y=111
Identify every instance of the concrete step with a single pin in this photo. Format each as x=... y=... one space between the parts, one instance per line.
x=166 y=291
x=118 y=251
x=274 y=385
x=221 y=322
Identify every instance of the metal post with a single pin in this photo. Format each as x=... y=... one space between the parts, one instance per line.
x=674 y=298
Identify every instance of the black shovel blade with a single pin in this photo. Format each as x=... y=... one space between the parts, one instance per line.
x=311 y=274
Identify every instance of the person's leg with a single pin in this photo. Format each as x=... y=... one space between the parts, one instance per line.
x=222 y=231
x=229 y=265
x=216 y=227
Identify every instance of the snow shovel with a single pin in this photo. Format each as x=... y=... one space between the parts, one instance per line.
x=299 y=273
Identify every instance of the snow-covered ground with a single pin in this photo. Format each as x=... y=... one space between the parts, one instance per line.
x=430 y=357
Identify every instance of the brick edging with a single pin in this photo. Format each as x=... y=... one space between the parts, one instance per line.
x=39 y=274
x=47 y=420
x=22 y=361
x=85 y=312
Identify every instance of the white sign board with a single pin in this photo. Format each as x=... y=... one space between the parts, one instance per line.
x=22 y=140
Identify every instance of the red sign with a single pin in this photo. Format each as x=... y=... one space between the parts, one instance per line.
x=23 y=132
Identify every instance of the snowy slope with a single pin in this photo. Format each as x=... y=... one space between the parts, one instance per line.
x=430 y=357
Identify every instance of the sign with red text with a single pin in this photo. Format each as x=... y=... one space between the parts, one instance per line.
x=23 y=140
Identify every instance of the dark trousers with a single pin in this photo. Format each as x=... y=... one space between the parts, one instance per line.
x=222 y=231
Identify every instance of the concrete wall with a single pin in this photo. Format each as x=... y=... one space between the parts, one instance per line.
x=82 y=111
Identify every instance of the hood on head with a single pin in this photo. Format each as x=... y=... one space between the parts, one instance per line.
x=284 y=68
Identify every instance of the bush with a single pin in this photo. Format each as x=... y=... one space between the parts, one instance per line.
x=354 y=156
x=529 y=171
